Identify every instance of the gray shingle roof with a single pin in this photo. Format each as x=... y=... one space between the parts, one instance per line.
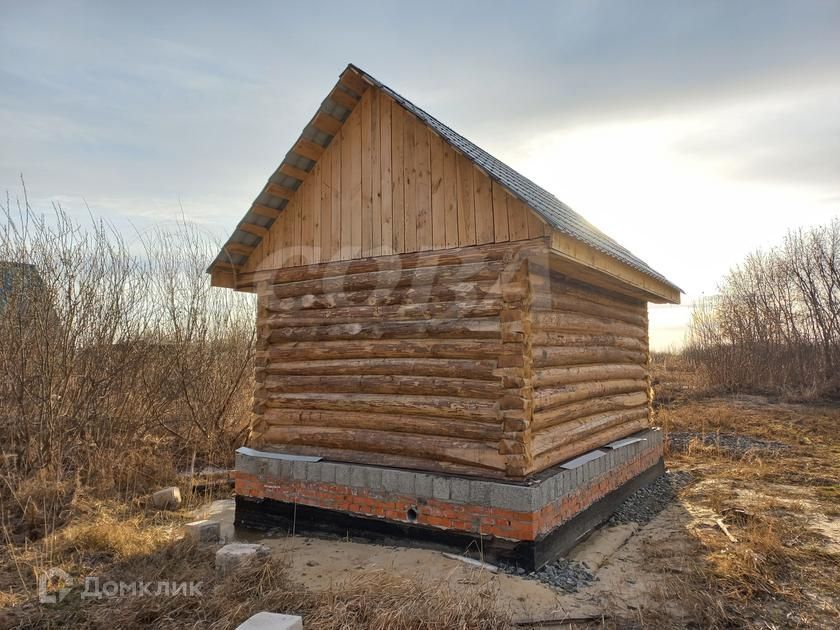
x=558 y=215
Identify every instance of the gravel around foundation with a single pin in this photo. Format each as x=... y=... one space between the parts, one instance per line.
x=644 y=504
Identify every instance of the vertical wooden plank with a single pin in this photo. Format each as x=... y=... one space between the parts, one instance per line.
x=398 y=176
x=315 y=256
x=501 y=234
x=298 y=230
x=346 y=185
x=423 y=187
x=517 y=218
x=483 y=208
x=466 y=206
x=335 y=190
x=355 y=121
x=367 y=175
x=375 y=176
x=450 y=195
x=438 y=205
x=386 y=182
x=535 y=224
x=323 y=253
x=289 y=234
x=410 y=170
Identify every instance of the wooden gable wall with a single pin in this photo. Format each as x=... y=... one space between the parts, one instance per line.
x=388 y=184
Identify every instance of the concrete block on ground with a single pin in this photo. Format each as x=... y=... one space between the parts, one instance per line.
x=271 y=621
x=203 y=531
x=167 y=499
x=234 y=555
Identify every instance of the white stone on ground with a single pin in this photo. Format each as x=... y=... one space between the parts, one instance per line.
x=272 y=621
x=233 y=555
x=167 y=499
x=203 y=531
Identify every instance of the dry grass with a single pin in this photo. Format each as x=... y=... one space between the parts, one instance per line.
x=122 y=542
x=781 y=507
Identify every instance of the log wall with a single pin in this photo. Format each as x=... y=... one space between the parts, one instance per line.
x=475 y=360
x=411 y=361
x=590 y=378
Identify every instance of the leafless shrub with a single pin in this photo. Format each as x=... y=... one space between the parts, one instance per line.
x=119 y=364
x=775 y=326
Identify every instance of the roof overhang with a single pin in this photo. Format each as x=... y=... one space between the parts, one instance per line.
x=576 y=259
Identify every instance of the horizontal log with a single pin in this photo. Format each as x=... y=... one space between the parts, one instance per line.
x=596 y=295
x=462 y=292
x=395 y=312
x=472 y=328
x=575 y=430
x=576 y=304
x=420 y=446
x=580 y=409
x=553 y=356
x=468 y=408
x=577 y=322
x=510 y=255
x=388 y=279
x=543 y=377
x=550 y=397
x=578 y=340
x=386 y=348
x=386 y=384
x=475 y=369
x=582 y=445
x=384 y=459
x=421 y=425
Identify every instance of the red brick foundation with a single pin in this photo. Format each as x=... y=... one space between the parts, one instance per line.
x=447 y=515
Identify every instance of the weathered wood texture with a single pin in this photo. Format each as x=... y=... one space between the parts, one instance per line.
x=476 y=360
x=416 y=357
x=387 y=184
x=591 y=385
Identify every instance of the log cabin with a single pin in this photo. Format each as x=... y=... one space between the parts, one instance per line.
x=446 y=351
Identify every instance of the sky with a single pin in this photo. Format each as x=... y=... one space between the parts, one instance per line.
x=691 y=132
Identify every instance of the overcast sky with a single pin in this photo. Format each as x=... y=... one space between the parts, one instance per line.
x=691 y=132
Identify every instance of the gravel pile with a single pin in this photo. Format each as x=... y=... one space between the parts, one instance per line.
x=733 y=444
x=641 y=506
x=563 y=574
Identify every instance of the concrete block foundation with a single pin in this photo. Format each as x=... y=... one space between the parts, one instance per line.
x=527 y=522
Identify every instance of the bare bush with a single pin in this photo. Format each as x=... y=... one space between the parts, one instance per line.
x=775 y=326
x=119 y=364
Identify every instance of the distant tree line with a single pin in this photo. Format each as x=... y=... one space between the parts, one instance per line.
x=775 y=326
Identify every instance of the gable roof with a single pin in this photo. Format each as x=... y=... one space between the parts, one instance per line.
x=319 y=132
